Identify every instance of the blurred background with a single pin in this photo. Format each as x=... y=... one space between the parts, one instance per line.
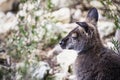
x=30 y=31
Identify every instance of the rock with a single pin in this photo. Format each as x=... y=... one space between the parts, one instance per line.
x=37 y=70
x=67 y=27
x=59 y=76
x=76 y=15
x=96 y=4
x=8 y=22
x=110 y=45
x=62 y=15
x=117 y=35
x=66 y=58
x=7 y=5
x=1 y=14
x=106 y=28
x=39 y=13
x=64 y=3
x=72 y=77
x=40 y=70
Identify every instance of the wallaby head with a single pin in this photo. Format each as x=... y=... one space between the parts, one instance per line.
x=85 y=35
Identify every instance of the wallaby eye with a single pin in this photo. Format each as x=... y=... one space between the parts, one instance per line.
x=74 y=35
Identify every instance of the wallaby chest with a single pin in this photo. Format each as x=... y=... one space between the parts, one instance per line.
x=87 y=67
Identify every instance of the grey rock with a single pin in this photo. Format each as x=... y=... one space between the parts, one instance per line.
x=64 y=3
x=35 y=71
x=8 y=22
x=77 y=14
x=96 y=4
x=62 y=15
x=39 y=71
x=7 y=5
x=106 y=28
x=66 y=58
x=117 y=35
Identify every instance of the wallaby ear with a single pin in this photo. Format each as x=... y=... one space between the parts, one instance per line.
x=83 y=25
x=92 y=16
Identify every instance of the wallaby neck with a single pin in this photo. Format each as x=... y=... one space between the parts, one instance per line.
x=88 y=57
x=94 y=49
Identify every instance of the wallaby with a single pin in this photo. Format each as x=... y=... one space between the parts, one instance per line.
x=94 y=61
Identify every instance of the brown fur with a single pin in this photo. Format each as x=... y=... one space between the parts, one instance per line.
x=94 y=61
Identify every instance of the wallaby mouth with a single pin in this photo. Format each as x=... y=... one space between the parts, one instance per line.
x=62 y=44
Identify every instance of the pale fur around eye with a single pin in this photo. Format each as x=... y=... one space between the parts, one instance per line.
x=74 y=35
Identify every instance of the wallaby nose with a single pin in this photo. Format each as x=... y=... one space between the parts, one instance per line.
x=61 y=43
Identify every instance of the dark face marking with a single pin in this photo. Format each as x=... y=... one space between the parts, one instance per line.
x=74 y=40
x=83 y=25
